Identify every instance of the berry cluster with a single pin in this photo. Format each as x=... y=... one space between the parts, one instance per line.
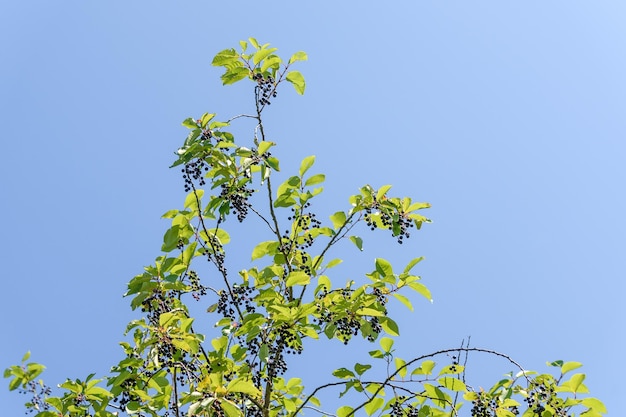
x=156 y=304
x=197 y=289
x=484 y=406
x=541 y=395
x=214 y=252
x=128 y=386
x=237 y=196
x=402 y=409
x=347 y=324
x=303 y=221
x=39 y=392
x=239 y=296
x=398 y=223
x=265 y=88
x=376 y=329
x=194 y=171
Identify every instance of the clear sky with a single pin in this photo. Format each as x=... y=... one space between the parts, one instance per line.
x=508 y=117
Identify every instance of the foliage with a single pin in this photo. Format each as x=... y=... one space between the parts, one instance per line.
x=284 y=301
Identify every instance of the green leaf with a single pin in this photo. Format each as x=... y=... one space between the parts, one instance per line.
x=375 y=404
x=436 y=395
x=594 y=404
x=264 y=147
x=191 y=201
x=298 y=278
x=296 y=78
x=382 y=191
x=389 y=326
x=403 y=300
x=225 y=57
x=503 y=412
x=264 y=352
x=384 y=267
x=344 y=411
x=426 y=368
x=271 y=61
x=453 y=384
x=190 y=123
x=324 y=281
x=233 y=75
x=261 y=54
x=386 y=343
x=273 y=163
x=170 y=239
x=357 y=241
x=230 y=409
x=365 y=311
x=315 y=179
x=573 y=385
x=243 y=386
x=376 y=354
x=421 y=289
x=338 y=219
x=254 y=43
x=411 y=264
x=298 y=56
x=264 y=248
x=306 y=164
x=333 y=263
x=343 y=373
x=569 y=366
x=360 y=368
x=26 y=356
x=206 y=118
x=400 y=366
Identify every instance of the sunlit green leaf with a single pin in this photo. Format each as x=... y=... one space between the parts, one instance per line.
x=411 y=264
x=453 y=384
x=403 y=300
x=375 y=404
x=191 y=201
x=382 y=191
x=233 y=75
x=569 y=366
x=306 y=164
x=243 y=386
x=264 y=147
x=344 y=411
x=254 y=43
x=421 y=289
x=389 y=326
x=315 y=179
x=358 y=242
x=230 y=409
x=594 y=404
x=225 y=57
x=338 y=219
x=298 y=56
x=384 y=267
x=333 y=263
x=261 y=54
x=400 y=366
x=264 y=248
x=386 y=343
x=296 y=78
x=298 y=278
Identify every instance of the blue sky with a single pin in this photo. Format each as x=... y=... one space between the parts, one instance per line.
x=508 y=117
